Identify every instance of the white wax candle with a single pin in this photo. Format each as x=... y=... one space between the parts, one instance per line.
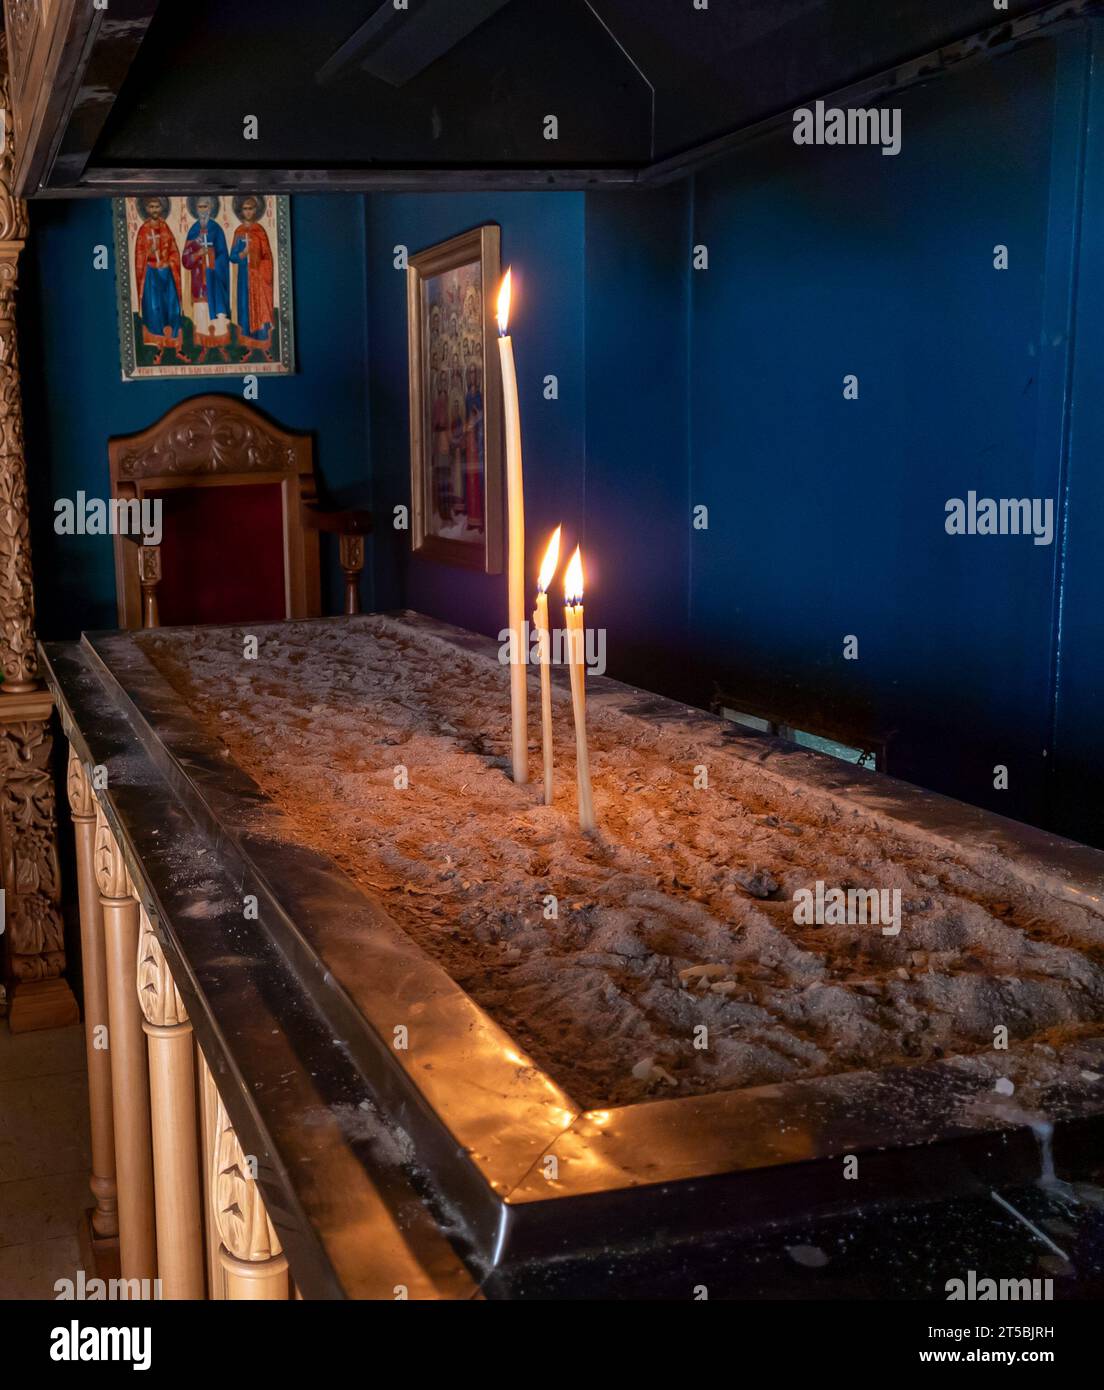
x=540 y=622
x=576 y=643
x=515 y=565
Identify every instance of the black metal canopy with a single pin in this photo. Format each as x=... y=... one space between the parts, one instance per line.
x=458 y=93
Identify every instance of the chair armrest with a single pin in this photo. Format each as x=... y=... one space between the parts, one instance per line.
x=347 y=523
x=351 y=527
x=149 y=576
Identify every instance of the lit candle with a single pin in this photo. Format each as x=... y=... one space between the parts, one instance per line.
x=515 y=565
x=540 y=622
x=576 y=649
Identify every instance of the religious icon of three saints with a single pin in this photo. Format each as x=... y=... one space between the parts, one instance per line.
x=204 y=285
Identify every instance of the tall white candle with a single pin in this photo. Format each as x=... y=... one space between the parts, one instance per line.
x=540 y=622
x=576 y=647
x=515 y=564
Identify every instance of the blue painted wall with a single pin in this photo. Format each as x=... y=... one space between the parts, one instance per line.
x=74 y=399
x=607 y=457
x=827 y=515
x=724 y=388
x=637 y=477
x=1076 y=806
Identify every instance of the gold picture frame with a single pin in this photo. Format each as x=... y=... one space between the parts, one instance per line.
x=456 y=469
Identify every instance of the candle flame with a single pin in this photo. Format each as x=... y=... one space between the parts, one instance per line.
x=573 y=579
x=504 y=304
x=550 y=561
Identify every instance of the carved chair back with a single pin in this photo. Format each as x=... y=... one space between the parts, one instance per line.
x=236 y=492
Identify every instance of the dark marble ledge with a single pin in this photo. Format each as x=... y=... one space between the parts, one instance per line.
x=348 y=1218
x=479 y=1117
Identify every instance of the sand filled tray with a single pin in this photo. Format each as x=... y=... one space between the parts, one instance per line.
x=677 y=916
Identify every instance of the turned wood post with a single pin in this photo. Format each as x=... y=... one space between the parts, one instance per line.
x=129 y=1069
x=173 y=1113
x=105 y=1219
x=351 y=555
x=252 y=1259
x=149 y=576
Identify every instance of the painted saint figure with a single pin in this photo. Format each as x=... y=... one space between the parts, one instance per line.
x=207 y=257
x=251 y=252
x=442 y=479
x=473 y=448
x=456 y=443
x=157 y=279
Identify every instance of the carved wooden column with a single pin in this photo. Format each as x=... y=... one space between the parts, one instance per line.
x=129 y=1069
x=35 y=954
x=105 y=1219
x=252 y=1258
x=173 y=1113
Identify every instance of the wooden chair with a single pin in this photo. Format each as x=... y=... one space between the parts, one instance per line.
x=240 y=520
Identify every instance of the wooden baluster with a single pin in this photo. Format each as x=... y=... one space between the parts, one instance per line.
x=173 y=1112
x=105 y=1217
x=252 y=1259
x=149 y=576
x=129 y=1068
x=351 y=555
x=208 y=1104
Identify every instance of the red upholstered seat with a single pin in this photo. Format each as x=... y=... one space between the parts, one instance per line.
x=239 y=520
x=238 y=539
x=222 y=554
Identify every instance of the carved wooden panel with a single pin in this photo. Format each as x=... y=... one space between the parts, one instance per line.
x=17 y=653
x=22 y=18
x=351 y=552
x=13 y=210
x=149 y=564
x=81 y=801
x=111 y=870
x=209 y=435
x=29 y=871
x=240 y=1213
x=28 y=849
x=31 y=58
x=157 y=993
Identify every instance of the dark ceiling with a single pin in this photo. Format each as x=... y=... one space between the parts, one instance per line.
x=350 y=90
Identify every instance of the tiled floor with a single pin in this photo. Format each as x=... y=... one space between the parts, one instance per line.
x=44 y=1158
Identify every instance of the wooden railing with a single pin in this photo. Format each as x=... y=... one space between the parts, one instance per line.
x=169 y=1177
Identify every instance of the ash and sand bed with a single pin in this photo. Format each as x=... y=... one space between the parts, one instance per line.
x=677 y=877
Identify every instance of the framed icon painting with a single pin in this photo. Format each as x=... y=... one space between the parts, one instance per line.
x=456 y=473
x=204 y=285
